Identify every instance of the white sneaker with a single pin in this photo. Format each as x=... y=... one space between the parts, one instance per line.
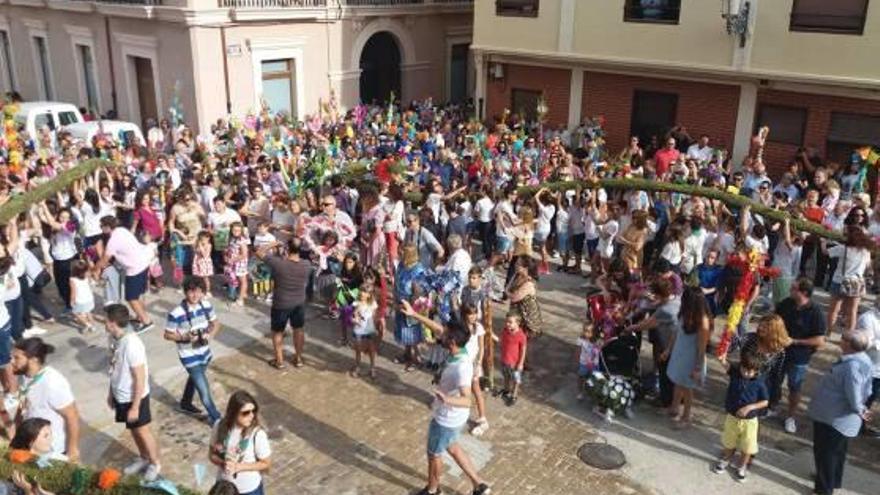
x=480 y=428
x=152 y=472
x=33 y=332
x=790 y=426
x=136 y=467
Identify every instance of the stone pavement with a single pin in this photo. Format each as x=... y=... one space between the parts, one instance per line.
x=335 y=434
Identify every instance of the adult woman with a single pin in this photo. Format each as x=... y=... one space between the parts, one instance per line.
x=240 y=446
x=408 y=282
x=687 y=361
x=62 y=248
x=848 y=282
x=633 y=240
x=371 y=235
x=35 y=437
x=185 y=223
x=522 y=292
x=392 y=225
x=10 y=246
x=767 y=345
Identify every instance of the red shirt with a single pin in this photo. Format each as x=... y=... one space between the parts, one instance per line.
x=513 y=345
x=814 y=214
x=663 y=159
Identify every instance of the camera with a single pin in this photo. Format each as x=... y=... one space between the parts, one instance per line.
x=199 y=340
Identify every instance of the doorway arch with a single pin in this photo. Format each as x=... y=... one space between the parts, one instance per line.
x=379 y=64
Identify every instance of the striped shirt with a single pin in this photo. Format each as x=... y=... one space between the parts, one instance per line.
x=187 y=321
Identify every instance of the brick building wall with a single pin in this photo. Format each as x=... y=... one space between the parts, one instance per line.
x=554 y=83
x=819 y=110
x=702 y=107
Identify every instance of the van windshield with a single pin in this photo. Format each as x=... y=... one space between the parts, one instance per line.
x=44 y=119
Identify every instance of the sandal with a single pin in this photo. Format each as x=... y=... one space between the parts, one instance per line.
x=278 y=365
x=298 y=362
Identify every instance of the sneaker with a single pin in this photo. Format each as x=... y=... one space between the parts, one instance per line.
x=143 y=327
x=136 y=467
x=720 y=466
x=790 y=426
x=152 y=473
x=33 y=332
x=771 y=413
x=480 y=428
x=189 y=409
x=425 y=491
x=482 y=489
x=740 y=474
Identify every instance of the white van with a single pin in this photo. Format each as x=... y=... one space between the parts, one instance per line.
x=35 y=114
x=122 y=132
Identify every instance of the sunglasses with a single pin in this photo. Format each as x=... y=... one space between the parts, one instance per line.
x=328 y=204
x=247 y=412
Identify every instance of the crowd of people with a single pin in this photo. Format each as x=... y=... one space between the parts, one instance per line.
x=412 y=220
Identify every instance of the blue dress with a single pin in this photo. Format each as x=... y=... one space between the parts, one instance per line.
x=407 y=331
x=683 y=360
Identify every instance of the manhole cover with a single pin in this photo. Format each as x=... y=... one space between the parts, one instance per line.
x=601 y=455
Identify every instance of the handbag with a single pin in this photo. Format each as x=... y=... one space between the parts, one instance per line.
x=531 y=314
x=852 y=285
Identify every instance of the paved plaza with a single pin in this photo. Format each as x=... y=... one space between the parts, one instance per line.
x=332 y=433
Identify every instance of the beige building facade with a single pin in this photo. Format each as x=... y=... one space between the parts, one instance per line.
x=804 y=67
x=218 y=57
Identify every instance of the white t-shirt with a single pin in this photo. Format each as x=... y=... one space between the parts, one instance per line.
x=129 y=353
x=473 y=344
x=504 y=218
x=703 y=154
x=857 y=261
x=545 y=216
x=608 y=231
x=91 y=219
x=221 y=221
x=672 y=252
x=726 y=246
x=252 y=449
x=762 y=244
x=63 y=245
x=457 y=374
x=787 y=260
x=483 y=209
x=364 y=324
x=461 y=263
x=50 y=393
x=562 y=221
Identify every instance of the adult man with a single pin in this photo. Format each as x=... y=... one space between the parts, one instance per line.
x=805 y=324
x=429 y=247
x=701 y=151
x=459 y=259
x=290 y=276
x=665 y=157
x=332 y=220
x=134 y=258
x=451 y=408
x=129 y=394
x=838 y=409
x=45 y=393
x=869 y=321
x=505 y=220
x=191 y=324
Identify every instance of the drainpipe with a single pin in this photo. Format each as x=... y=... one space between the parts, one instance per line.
x=225 y=69
x=110 y=59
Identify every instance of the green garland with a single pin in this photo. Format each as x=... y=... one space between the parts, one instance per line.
x=66 y=478
x=21 y=202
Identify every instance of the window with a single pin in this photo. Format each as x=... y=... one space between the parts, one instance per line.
x=87 y=65
x=516 y=8
x=848 y=131
x=42 y=119
x=6 y=60
x=279 y=85
x=837 y=16
x=786 y=124
x=659 y=11
x=42 y=62
x=653 y=114
x=67 y=118
x=525 y=101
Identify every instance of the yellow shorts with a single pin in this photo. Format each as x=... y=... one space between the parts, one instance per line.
x=740 y=434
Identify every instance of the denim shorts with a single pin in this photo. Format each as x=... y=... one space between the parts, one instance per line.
x=796 y=374
x=511 y=373
x=502 y=244
x=440 y=438
x=5 y=344
x=562 y=242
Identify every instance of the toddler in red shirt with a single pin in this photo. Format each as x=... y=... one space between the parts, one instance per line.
x=513 y=356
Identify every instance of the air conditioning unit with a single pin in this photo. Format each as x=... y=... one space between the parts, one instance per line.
x=497 y=71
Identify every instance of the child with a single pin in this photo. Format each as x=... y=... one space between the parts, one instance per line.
x=747 y=396
x=513 y=356
x=424 y=305
x=475 y=349
x=350 y=280
x=237 y=263
x=260 y=274
x=81 y=295
x=155 y=269
x=364 y=316
x=203 y=265
x=377 y=278
x=588 y=357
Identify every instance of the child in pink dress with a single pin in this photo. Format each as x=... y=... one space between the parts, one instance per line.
x=203 y=266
